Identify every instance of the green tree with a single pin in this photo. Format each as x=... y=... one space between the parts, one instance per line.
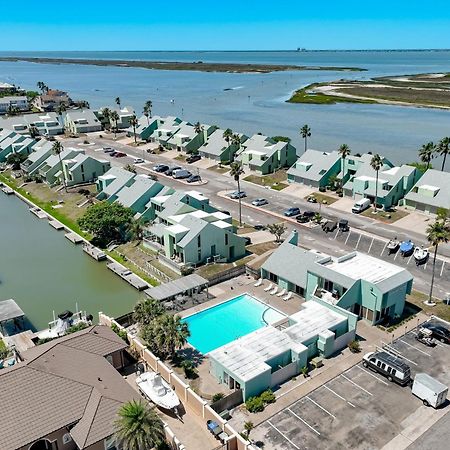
x=236 y=172
x=198 y=127
x=277 y=229
x=134 y=122
x=426 y=153
x=114 y=117
x=248 y=427
x=130 y=168
x=136 y=230
x=61 y=108
x=118 y=101
x=167 y=333
x=106 y=221
x=228 y=135
x=147 y=310
x=33 y=131
x=138 y=427
x=281 y=139
x=444 y=150
x=376 y=163
x=148 y=110
x=437 y=233
x=305 y=132
x=15 y=159
x=344 y=151
x=57 y=149
x=106 y=113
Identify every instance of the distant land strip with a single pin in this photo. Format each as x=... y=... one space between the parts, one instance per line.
x=193 y=66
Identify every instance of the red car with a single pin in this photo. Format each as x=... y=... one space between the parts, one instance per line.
x=119 y=155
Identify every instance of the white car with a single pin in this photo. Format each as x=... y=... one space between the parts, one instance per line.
x=138 y=161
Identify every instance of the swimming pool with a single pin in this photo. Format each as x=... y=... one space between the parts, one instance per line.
x=221 y=324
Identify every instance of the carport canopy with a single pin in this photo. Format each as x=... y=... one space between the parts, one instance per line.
x=184 y=285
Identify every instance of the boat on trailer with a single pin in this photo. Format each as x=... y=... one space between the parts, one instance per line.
x=407 y=248
x=421 y=255
x=156 y=389
x=393 y=245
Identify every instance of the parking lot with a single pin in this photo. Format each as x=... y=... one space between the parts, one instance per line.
x=359 y=409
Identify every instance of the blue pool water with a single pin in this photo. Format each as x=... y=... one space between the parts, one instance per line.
x=221 y=324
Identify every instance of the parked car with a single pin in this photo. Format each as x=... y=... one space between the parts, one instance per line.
x=138 y=161
x=223 y=211
x=294 y=211
x=311 y=199
x=191 y=159
x=160 y=168
x=329 y=226
x=248 y=241
x=108 y=150
x=119 y=155
x=237 y=194
x=181 y=174
x=170 y=170
x=343 y=225
x=113 y=153
x=259 y=226
x=307 y=216
x=438 y=332
x=194 y=178
x=260 y=202
x=392 y=367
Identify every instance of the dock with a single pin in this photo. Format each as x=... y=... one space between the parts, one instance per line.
x=38 y=213
x=7 y=190
x=56 y=225
x=95 y=252
x=74 y=238
x=128 y=276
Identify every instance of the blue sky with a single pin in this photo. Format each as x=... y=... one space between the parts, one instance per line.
x=225 y=25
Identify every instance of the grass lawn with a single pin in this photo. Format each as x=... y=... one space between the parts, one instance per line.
x=322 y=198
x=181 y=158
x=221 y=170
x=46 y=198
x=259 y=249
x=441 y=309
x=383 y=216
x=246 y=228
x=210 y=270
x=276 y=180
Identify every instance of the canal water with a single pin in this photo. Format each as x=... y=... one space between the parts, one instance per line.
x=44 y=272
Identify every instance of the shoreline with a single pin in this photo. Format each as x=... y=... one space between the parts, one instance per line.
x=198 y=66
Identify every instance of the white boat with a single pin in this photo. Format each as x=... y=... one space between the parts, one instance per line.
x=157 y=390
x=393 y=245
x=421 y=255
x=59 y=326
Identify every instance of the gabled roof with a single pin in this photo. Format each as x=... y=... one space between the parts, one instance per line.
x=314 y=164
x=141 y=186
x=432 y=189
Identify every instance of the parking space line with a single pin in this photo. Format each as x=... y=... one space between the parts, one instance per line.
x=336 y=235
x=321 y=407
x=370 y=246
x=372 y=375
x=347 y=238
x=382 y=251
x=412 y=346
x=409 y=259
x=304 y=421
x=396 y=353
x=358 y=241
x=337 y=395
x=282 y=434
x=442 y=268
x=357 y=385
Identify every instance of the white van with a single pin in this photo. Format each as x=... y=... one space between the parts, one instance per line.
x=361 y=205
x=430 y=391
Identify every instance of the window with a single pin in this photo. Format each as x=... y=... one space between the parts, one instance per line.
x=198 y=241
x=383 y=366
x=226 y=238
x=199 y=255
x=82 y=168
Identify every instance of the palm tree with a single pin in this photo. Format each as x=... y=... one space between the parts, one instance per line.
x=437 y=233
x=130 y=168
x=114 y=117
x=134 y=122
x=444 y=150
x=57 y=149
x=198 y=128
x=106 y=113
x=146 y=112
x=227 y=135
x=33 y=131
x=148 y=107
x=344 y=151
x=305 y=132
x=136 y=230
x=236 y=172
x=147 y=310
x=61 y=108
x=376 y=163
x=138 y=427
x=248 y=427
x=426 y=153
x=118 y=101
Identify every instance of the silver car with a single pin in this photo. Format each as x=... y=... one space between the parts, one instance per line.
x=260 y=202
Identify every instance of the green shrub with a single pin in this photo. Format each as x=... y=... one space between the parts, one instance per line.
x=78 y=327
x=4 y=351
x=254 y=404
x=267 y=397
x=217 y=397
x=189 y=368
x=354 y=346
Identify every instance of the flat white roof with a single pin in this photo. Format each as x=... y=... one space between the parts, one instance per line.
x=221 y=224
x=361 y=266
x=428 y=187
x=197 y=195
x=177 y=228
x=161 y=198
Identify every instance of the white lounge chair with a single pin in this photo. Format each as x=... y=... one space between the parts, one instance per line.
x=281 y=293
x=274 y=290
x=288 y=297
x=258 y=283
x=268 y=288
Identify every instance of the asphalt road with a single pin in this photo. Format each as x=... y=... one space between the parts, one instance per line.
x=366 y=235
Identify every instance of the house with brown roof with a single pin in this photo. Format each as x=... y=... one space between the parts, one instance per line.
x=51 y=100
x=65 y=394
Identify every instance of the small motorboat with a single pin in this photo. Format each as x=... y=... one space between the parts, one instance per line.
x=407 y=248
x=157 y=390
x=421 y=255
x=393 y=245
